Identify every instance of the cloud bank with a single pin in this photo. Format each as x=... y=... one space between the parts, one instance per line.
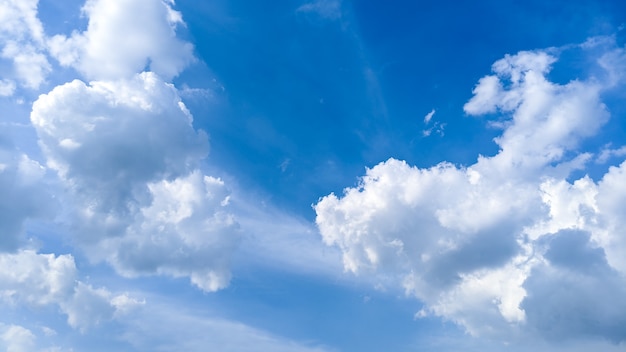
x=509 y=245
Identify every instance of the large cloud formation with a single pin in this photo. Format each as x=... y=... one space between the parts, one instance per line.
x=125 y=161
x=507 y=244
x=128 y=155
x=125 y=150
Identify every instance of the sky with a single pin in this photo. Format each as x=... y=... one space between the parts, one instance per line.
x=308 y=176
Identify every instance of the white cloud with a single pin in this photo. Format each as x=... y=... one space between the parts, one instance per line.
x=22 y=41
x=128 y=154
x=436 y=127
x=547 y=119
x=608 y=153
x=34 y=279
x=477 y=244
x=429 y=116
x=189 y=215
x=125 y=37
x=15 y=338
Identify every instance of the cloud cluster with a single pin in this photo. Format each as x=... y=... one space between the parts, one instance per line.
x=128 y=155
x=22 y=41
x=27 y=277
x=124 y=37
x=507 y=245
x=123 y=146
x=125 y=154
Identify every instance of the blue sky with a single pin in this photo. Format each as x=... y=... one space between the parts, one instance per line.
x=312 y=176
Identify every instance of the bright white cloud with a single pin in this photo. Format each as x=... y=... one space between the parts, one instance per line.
x=125 y=37
x=22 y=41
x=128 y=154
x=188 y=214
x=483 y=245
x=34 y=279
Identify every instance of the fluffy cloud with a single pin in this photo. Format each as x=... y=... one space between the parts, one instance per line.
x=108 y=139
x=128 y=154
x=185 y=231
x=124 y=37
x=22 y=41
x=506 y=244
x=27 y=277
x=15 y=338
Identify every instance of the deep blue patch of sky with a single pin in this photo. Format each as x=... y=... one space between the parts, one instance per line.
x=308 y=102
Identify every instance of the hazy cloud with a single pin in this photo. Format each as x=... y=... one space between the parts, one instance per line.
x=24 y=196
x=327 y=9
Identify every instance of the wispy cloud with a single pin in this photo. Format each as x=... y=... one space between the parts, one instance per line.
x=429 y=116
x=436 y=127
x=328 y=9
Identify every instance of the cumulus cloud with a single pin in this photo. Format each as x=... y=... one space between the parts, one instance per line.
x=124 y=37
x=22 y=41
x=34 y=279
x=498 y=246
x=185 y=231
x=109 y=139
x=128 y=154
